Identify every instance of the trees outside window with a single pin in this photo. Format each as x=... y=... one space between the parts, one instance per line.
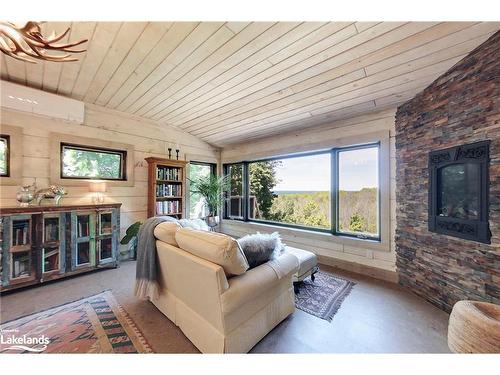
x=89 y=162
x=197 y=204
x=4 y=155
x=235 y=200
x=358 y=191
x=293 y=190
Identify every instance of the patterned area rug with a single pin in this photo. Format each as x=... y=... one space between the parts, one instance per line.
x=97 y=324
x=323 y=297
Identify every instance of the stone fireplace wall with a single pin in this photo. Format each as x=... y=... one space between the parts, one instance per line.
x=462 y=106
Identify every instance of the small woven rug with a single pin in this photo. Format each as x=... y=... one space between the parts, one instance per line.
x=96 y=324
x=324 y=296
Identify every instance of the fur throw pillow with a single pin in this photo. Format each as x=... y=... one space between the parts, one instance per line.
x=259 y=248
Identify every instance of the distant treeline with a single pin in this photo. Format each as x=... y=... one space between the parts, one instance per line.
x=357 y=209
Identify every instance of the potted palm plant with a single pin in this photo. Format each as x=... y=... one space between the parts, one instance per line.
x=211 y=188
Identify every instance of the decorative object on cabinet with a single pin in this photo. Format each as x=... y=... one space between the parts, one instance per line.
x=131 y=235
x=43 y=243
x=166 y=187
x=53 y=191
x=25 y=195
x=98 y=188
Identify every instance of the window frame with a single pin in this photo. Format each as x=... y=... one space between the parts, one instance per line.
x=213 y=166
x=335 y=185
x=15 y=133
x=244 y=188
x=105 y=150
x=334 y=192
x=7 y=155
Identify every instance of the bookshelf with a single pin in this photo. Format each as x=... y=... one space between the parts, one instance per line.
x=166 y=187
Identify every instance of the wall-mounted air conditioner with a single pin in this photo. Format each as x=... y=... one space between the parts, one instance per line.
x=25 y=99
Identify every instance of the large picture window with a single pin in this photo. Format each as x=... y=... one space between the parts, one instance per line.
x=293 y=190
x=334 y=191
x=197 y=205
x=4 y=155
x=86 y=162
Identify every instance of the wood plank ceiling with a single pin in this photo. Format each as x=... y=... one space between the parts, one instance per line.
x=229 y=82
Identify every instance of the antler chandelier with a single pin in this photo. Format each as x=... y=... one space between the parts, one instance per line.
x=28 y=41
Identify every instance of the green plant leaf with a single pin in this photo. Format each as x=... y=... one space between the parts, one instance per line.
x=126 y=239
x=212 y=189
x=131 y=233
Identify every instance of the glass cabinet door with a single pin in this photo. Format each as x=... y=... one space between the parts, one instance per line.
x=83 y=253
x=20 y=249
x=83 y=239
x=53 y=234
x=105 y=249
x=106 y=224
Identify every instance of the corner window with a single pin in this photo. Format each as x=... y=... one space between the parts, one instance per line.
x=197 y=206
x=4 y=155
x=358 y=192
x=87 y=162
x=335 y=191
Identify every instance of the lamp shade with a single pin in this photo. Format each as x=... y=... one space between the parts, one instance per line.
x=97 y=187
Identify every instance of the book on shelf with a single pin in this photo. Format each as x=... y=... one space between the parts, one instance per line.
x=21 y=266
x=168 y=173
x=83 y=229
x=168 y=207
x=50 y=259
x=20 y=231
x=51 y=232
x=168 y=190
x=47 y=253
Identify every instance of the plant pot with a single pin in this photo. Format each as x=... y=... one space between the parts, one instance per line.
x=212 y=221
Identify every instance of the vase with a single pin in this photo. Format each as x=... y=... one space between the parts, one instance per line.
x=212 y=221
x=25 y=195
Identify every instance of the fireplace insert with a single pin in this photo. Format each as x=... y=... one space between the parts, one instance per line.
x=458 y=191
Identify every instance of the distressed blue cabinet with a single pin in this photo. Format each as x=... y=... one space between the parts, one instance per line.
x=38 y=244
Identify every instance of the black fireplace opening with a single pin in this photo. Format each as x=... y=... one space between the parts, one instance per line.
x=458 y=191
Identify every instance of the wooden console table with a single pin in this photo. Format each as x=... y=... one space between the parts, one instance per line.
x=42 y=243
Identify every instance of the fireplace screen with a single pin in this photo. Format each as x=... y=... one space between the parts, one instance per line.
x=458 y=191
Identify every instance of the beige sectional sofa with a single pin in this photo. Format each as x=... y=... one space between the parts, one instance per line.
x=207 y=290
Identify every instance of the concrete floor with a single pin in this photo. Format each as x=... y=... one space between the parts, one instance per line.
x=377 y=317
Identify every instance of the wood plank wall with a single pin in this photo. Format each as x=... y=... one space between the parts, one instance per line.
x=104 y=124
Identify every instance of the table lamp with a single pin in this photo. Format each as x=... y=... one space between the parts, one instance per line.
x=98 y=188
